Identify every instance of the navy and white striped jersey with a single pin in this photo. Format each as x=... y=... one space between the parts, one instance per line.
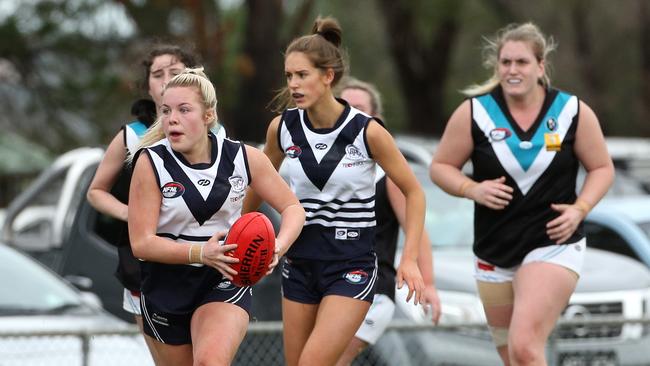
x=201 y=199
x=539 y=164
x=332 y=173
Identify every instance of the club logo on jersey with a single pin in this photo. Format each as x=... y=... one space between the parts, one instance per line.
x=320 y=146
x=499 y=134
x=358 y=277
x=225 y=286
x=203 y=182
x=352 y=153
x=172 y=190
x=346 y=234
x=237 y=183
x=293 y=151
x=551 y=124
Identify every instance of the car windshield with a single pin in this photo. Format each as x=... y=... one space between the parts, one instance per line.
x=449 y=219
x=28 y=288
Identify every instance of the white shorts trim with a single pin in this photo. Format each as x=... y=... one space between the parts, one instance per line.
x=131 y=303
x=379 y=315
x=570 y=256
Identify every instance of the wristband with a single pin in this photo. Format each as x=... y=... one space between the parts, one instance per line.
x=196 y=253
x=463 y=187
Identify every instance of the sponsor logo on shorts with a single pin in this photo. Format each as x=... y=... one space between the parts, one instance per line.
x=353 y=153
x=358 y=277
x=320 y=146
x=237 y=183
x=225 y=286
x=500 y=133
x=203 y=182
x=159 y=319
x=346 y=234
x=370 y=322
x=293 y=151
x=485 y=266
x=172 y=190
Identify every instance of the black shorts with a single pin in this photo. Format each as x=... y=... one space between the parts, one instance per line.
x=307 y=281
x=169 y=299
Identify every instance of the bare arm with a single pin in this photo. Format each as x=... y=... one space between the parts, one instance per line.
x=270 y=187
x=425 y=256
x=454 y=150
x=389 y=157
x=591 y=150
x=271 y=149
x=109 y=169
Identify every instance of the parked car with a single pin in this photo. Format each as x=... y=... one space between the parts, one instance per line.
x=611 y=285
x=34 y=300
x=621 y=225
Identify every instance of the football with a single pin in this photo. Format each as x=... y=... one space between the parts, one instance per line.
x=255 y=238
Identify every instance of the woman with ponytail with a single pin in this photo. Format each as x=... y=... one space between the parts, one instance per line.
x=330 y=149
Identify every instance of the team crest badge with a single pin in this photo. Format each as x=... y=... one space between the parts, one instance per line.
x=358 y=277
x=237 y=183
x=172 y=190
x=293 y=151
x=551 y=124
x=353 y=153
x=499 y=134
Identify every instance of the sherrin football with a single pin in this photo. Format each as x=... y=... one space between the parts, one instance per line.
x=255 y=238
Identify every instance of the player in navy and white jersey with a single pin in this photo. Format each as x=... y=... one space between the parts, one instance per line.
x=330 y=150
x=389 y=214
x=109 y=189
x=526 y=141
x=187 y=190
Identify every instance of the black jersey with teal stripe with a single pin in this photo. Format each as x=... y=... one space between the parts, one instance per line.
x=539 y=164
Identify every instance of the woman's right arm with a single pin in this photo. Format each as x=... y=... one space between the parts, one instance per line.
x=271 y=149
x=108 y=170
x=454 y=150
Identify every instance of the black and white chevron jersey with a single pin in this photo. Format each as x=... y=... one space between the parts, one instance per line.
x=201 y=199
x=539 y=164
x=332 y=173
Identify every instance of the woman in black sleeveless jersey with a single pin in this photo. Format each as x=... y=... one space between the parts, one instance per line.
x=108 y=191
x=187 y=190
x=331 y=149
x=390 y=214
x=526 y=141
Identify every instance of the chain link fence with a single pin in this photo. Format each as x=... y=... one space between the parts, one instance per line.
x=403 y=344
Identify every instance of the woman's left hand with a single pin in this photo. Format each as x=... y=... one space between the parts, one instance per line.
x=409 y=272
x=562 y=227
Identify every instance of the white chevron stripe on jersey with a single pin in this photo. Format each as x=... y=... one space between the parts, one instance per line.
x=524 y=178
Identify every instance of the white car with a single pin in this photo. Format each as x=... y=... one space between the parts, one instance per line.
x=40 y=315
x=611 y=285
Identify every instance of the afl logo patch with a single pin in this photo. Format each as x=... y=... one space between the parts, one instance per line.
x=237 y=183
x=499 y=134
x=346 y=234
x=320 y=146
x=551 y=124
x=353 y=153
x=356 y=277
x=203 y=182
x=293 y=151
x=172 y=190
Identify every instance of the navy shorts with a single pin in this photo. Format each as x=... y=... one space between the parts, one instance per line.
x=168 y=306
x=307 y=281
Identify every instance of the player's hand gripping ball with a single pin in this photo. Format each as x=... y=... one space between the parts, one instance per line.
x=255 y=238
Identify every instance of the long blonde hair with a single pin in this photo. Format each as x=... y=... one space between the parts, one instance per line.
x=188 y=78
x=526 y=32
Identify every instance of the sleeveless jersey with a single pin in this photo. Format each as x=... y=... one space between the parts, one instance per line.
x=332 y=173
x=201 y=199
x=539 y=164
